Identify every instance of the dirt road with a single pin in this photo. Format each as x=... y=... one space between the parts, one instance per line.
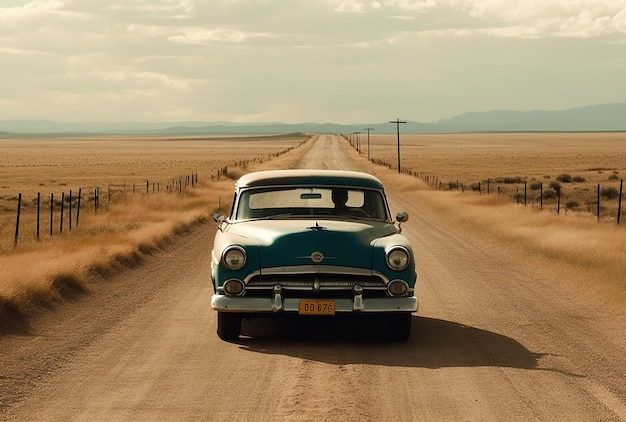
x=492 y=341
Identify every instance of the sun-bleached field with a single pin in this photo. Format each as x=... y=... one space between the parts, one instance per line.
x=573 y=246
x=132 y=221
x=575 y=163
x=53 y=165
x=135 y=223
x=114 y=164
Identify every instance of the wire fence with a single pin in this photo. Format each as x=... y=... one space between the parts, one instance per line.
x=534 y=194
x=59 y=213
x=54 y=214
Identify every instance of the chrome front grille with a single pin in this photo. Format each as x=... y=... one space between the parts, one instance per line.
x=316 y=282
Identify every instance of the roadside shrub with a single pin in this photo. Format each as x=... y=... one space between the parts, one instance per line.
x=609 y=192
x=571 y=205
x=564 y=178
x=578 y=179
x=549 y=194
x=535 y=186
x=556 y=186
x=509 y=180
x=613 y=177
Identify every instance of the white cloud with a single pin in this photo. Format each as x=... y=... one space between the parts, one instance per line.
x=418 y=6
x=172 y=8
x=350 y=6
x=545 y=18
x=11 y=50
x=149 y=78
x=202 y=35
x=31 y=9
x=302 y=60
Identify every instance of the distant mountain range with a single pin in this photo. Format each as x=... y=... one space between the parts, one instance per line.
x=603 y=117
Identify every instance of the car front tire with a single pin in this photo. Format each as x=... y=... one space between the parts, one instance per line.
x=228 y=325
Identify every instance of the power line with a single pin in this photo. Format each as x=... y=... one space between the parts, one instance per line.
x=368 y=141
x=397 y=122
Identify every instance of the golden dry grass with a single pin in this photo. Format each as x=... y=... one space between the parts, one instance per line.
x=124 y=228
x=574 y=250
x=466 y=159
x=577 y=251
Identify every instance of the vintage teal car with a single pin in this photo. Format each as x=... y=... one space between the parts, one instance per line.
x=311 y=242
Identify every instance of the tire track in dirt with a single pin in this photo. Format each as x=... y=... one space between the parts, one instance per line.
x=493 y=340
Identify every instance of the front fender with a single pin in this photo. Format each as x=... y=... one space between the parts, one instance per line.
x=219 y=273
x=381 y=246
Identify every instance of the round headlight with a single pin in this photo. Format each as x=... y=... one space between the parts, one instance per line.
x=398 y=258
x=397 y=288
x=233 y=287
x=234 y=258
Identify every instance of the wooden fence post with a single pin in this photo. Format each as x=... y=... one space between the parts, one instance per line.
x=51 y=211
x=62 y=201
x=69 y=219
x=17 y=224
x=619 y=203
x=38 y=212
x=80 y=191
x=598 y=207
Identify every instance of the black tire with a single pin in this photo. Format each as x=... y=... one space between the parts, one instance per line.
x=399 y=327
x=228 y=325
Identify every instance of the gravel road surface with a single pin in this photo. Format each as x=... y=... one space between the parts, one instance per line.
x=492 y=341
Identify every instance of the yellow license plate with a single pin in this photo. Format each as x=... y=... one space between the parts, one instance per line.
x=316 y=307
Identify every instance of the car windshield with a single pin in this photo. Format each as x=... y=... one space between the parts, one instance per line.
x=311 y=201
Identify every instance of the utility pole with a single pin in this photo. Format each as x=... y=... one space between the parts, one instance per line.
x=397 y=122
x=368 y=141
x=358 y=142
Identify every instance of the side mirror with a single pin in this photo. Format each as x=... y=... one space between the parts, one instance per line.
x=219 y=217
x=402 y=217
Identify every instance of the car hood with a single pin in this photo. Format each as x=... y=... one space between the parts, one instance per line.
x=319 y=242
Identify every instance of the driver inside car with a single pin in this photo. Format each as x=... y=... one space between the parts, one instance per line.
x=340 y=197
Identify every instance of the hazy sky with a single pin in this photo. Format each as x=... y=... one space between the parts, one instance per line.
x=340 y=61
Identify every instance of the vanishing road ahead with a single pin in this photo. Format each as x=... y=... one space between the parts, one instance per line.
x=493 y=341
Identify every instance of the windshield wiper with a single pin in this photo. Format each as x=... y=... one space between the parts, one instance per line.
x=271 y=217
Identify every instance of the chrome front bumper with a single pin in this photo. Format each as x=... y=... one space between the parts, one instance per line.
x=277 y=303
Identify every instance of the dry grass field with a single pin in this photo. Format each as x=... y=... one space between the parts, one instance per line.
x=572 y=246
x=575 y=163
x=132 y=224
x=124 y=226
